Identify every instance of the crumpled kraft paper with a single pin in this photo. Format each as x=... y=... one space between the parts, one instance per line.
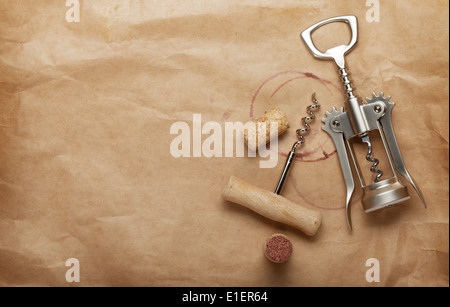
x=86 y=170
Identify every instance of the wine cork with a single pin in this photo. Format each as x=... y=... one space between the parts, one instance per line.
x=254 y=140
x=278 y=248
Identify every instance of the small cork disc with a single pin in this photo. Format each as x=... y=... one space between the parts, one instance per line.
x=278 y=248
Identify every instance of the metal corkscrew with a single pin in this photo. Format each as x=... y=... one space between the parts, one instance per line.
x=301 y=133
x=357 y=120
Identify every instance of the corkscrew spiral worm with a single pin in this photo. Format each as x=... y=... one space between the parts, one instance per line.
x=302 y=132
x=375 y=162
x=301 y=136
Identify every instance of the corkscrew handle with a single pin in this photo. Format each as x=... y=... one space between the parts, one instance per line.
x=336 y=53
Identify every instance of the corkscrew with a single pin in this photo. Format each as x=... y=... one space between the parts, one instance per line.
x=301 y=133
x=355 y=122
x=273 y=205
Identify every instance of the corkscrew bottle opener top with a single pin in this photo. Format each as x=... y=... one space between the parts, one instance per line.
x=337 y=53
x=356 y=121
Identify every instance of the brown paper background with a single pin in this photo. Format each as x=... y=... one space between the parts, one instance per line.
x=85 y=166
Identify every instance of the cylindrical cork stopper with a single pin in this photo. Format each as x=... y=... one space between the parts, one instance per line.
x=254 y=139
x=278 y=248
